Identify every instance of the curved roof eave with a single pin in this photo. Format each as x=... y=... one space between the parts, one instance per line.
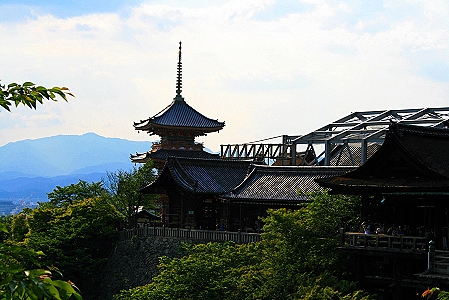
x=351 y=180
x=179 y=114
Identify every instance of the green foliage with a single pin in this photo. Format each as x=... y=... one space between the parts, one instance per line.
x=326 y=286
x=20 y=282
x=308 y=237
x=19 y=227
x=21 y=274
x=296 y=259
x=208 y=271
x=29 y=94
x=5 y=222
x=62 y=196
x=435 y=293
x=124 y=191
x=78 y=237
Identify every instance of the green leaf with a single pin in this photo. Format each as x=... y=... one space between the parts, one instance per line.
x=64 y=285
x=51 y=289
x=27 y=84
x=3 y=228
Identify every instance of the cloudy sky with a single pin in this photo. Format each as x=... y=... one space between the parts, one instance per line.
x=266 y=68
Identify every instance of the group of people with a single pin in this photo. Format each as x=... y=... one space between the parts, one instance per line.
x=380 y=229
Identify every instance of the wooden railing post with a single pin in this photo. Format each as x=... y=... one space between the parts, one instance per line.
x=342 y=237
x=431 y=256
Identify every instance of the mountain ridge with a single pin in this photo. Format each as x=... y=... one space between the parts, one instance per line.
x=31 y=168
x=65 y=154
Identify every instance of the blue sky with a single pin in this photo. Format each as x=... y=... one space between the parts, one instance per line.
x=265 y=67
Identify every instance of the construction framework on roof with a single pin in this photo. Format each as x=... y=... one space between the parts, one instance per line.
x=349 y=141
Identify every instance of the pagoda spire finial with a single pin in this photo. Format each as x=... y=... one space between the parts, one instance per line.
x=179 y=79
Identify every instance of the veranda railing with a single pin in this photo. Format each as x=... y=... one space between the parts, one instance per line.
x=193 y=234
x=357 y=239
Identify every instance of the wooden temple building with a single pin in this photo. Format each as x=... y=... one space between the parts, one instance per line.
x=405 y=183
x=177 y=125
x=396 y=160
x=223 y=194
x=405 y=191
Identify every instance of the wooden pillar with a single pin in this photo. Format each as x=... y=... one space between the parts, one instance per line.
x=183 y=210
x=364 y=151
x=327 y=153
x=240 y=217
x=365 y=208
x=293 y=154
x=397 y=276
x=229 y=216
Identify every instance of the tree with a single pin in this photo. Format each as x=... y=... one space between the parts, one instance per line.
x=207 y=271
x=124 y=191
x=20 y=279
x=297 y=258
x=63 y=196
x=20 y=282
x=29 y=94
x=309 y=238
x=77 y=237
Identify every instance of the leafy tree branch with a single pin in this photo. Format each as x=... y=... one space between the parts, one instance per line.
x=29 y=94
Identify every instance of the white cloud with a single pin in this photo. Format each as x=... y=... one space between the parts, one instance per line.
x=283 y=73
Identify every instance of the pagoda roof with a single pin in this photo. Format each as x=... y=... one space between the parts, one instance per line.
x=413 y=159
x=163 y=154
x=201 y=176
x=281 y=184
x=179 y=114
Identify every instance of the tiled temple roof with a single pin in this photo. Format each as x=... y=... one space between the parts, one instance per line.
x=281 y=184
x=412 y=159
x=179 y=114
x=203 y=176
x=238 y=180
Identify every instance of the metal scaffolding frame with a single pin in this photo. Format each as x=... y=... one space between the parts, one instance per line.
x=346 y=141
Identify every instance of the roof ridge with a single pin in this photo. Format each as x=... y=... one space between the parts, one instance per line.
x=176 y=167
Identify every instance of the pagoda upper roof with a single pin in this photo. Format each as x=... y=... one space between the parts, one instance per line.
x=179 y=114
x=413 y=159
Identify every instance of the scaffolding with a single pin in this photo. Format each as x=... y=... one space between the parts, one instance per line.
x=349 y=141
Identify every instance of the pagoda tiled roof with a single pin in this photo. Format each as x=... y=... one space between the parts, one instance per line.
x=163 y=154
x=201 y=176
x=282 y=184
x=412 y=159
x=179 y=114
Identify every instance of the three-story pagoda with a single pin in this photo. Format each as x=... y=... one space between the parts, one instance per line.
x=177 y=126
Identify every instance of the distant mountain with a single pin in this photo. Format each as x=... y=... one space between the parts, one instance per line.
x=30 y=169
x=26 y=188
x=67 y=154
